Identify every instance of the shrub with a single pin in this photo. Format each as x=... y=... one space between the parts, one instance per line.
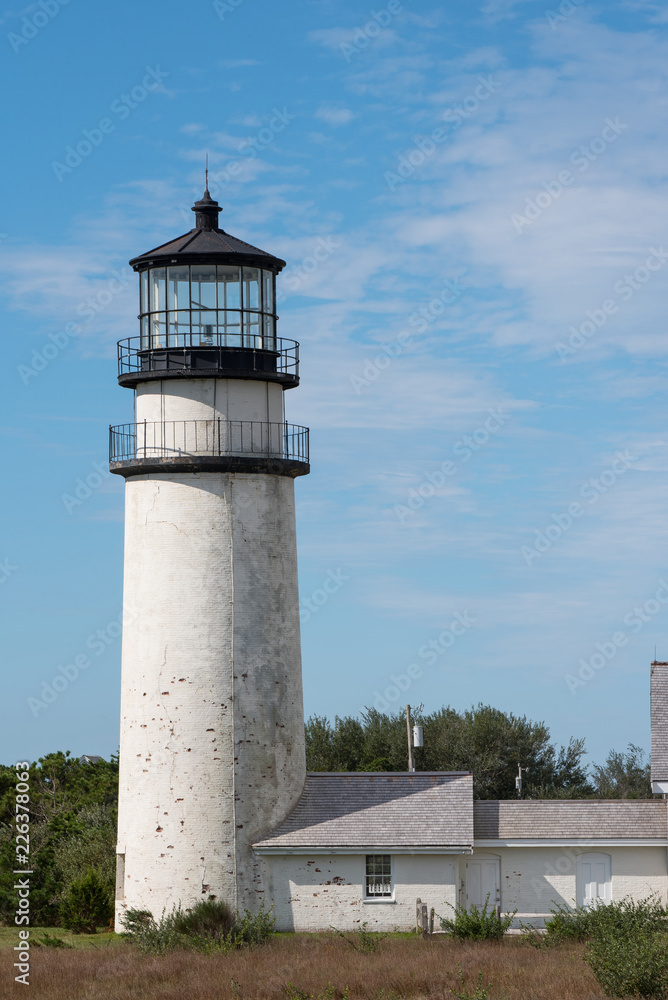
x=211 y=920
x=477 y=923
x=254 y=928
x=622 y=917
x=151 y=937
x=628 y=950
x=629 y=917
x=630 y=965
x=568 y=924
x=209 y=925
x=51 y=941
x=86 y=905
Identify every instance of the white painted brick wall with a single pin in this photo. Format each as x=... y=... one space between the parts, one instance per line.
x=315 y=893
x=212 y=735
x=639 y=872
x=536 y=879
x=209 y=399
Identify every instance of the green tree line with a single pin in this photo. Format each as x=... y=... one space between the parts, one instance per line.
x=484 y=740
x=72 y=832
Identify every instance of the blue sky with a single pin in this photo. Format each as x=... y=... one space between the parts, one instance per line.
x=472 y=201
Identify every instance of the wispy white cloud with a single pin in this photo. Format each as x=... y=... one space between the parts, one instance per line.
x=340 y=40
x=332 y=38
x=494 y=11
x=656 y=12
x=507 y=156
x=334 y=115
x=15 y=15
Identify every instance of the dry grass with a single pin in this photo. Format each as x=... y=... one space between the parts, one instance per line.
x=402 y=967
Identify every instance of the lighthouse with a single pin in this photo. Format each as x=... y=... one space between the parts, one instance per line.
x=212 y=729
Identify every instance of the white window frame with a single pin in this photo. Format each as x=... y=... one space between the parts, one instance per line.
x=376 y=898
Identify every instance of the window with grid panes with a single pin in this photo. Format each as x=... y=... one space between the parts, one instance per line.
x=378 y=875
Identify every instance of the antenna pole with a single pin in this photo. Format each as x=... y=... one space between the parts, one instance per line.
x=411 y=762
x=206 y=172
x=519 y=780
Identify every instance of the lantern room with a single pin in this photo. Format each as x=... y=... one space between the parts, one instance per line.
x=222 y=305
x=207 y=305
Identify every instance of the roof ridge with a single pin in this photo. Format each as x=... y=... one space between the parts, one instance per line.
x=589 y=802
x=174 y=240
x=389 y=774
x=194 y=234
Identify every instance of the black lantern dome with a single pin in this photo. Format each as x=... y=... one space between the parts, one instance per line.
x=208 y=240
x=207 y=308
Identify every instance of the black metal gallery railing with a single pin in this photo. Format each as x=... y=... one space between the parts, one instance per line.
x=199 y=438
x=228 y=352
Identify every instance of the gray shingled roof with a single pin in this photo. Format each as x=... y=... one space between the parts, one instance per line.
x=659 y=712
x=359 y=810
x=528 y=819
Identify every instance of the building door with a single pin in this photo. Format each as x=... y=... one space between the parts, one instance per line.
x=483 y=879
x=594 y=879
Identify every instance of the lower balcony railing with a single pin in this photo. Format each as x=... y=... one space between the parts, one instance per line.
x=173 y=439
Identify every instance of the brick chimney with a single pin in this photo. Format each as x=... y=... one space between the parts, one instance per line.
x=659 y=716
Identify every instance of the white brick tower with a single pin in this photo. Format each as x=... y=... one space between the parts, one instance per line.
x=212 y=728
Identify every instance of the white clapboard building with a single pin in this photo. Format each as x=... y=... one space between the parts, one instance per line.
x=214 y=799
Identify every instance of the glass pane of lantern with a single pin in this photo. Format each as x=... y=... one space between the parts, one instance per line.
x=196 y=317
x=171 y=329
x=268 y=298
x=178 y=290
x=144 y=333
x=203 y=286
x=143 y=296
x=157 y=283
x=252 y=331
x=178 y=327
x=251 y=288
x=204 y=327
x=229 y=288
x=269 y=334
x=158 y=331
x=183 y=327
x=229 y=325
